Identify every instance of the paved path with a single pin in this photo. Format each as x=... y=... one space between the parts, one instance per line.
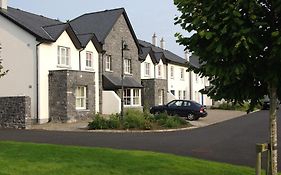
x=232 y=141
x=214 y=116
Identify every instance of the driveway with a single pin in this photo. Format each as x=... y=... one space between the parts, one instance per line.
x=214 y=116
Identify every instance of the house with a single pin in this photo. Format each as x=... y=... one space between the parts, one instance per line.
x=174 y=81
x=114 y=30
x=70 y=70
x=163 y=73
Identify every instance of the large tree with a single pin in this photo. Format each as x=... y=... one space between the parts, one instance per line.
x=238 y=43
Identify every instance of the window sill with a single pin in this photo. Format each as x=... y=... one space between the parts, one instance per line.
x=108 y=70
x=90 y=69
x=128 y=74
x=82 y=110
x=63 y=66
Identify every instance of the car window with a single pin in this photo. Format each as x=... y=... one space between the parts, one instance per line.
x=186 y=103
x=175 y=103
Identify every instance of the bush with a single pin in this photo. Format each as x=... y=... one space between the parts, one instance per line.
x=135 y=119
x=98 y=123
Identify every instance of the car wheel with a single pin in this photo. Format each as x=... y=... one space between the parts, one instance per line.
x=190 y=116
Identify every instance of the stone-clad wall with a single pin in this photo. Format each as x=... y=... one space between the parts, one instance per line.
x=150 y=91
x=62 y=101
x=15 y=112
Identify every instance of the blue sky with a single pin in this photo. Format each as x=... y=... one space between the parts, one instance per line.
x=146 y=16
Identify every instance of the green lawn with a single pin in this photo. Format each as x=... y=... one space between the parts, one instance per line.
x=39 y=159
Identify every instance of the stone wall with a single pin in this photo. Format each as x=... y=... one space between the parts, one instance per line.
x=150 y=91
x=62 y=100
x=15 y=112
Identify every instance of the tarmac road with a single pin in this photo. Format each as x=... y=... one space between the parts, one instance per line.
x=232 y=141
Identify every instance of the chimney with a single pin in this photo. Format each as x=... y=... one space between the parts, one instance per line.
x=186 y=55
x=3 y=4
x=162 y=43
x=154 y=39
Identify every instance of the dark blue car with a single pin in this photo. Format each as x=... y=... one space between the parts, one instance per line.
x=184 y=108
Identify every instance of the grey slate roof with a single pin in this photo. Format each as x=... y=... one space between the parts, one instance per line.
x=32 y=23
x=194 y=61
x=112 y=82
x=165 y=55
x=101 y=23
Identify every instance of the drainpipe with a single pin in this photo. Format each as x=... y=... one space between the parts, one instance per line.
x=37 y=81
x=80 y=57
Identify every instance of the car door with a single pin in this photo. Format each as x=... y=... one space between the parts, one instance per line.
x=174 y=108
x=186 y=108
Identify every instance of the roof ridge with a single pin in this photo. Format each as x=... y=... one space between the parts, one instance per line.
x=103 y=11
x=39 y=15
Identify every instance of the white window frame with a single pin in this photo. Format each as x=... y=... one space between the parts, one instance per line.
x=182 y=74
x=81 y=98
x=180 y=97
x=108 y=63
x=132 y=97
x=161 y=96
x=147 y=69
x=172 y=72
x=159 y=71
x=64 y=56
x=89 y=59
x=127 y=66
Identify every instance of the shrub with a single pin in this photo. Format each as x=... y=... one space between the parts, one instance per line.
x=98 y=123
x=133 y=119
x=114 y=122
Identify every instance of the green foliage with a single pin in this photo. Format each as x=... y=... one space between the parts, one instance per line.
x=136 y=119
x=235 y=106
x=238 y=45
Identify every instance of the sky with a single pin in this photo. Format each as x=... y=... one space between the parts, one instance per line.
x=146 y=16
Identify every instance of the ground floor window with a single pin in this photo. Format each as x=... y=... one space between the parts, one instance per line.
x=132 y=97
x=161 y=96
x=80 y=95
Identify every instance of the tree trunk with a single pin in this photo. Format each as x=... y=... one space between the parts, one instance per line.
x=273 y=130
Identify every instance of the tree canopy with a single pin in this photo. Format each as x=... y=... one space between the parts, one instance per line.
x=238 y=44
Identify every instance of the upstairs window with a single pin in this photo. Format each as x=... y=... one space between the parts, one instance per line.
x=89 y=59
x=63 y=56
x=182 y=74
x=159 y=70
x=108 y=63
x=127 y=66
x=147 y=69
x=172 y=72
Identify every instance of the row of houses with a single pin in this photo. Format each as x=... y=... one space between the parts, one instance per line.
x=84 y=66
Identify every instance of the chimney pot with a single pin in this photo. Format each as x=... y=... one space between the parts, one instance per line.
x=154 y=39
x=3 y=4
x=162 y=43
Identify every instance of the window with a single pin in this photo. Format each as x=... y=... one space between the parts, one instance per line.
x=63 y=56
x=136 y=97
x=80 y=94
x=172 y=92
x=161 y=96
x=159 y=70
x=182 y=74
x=196 y=78
x=172 y=72
x=179 y=94
x=89 y=59
x=131 y=97
x=108 y=63
x=175 y=103
x=147 y=69
x=127 y=66
x=184 y=94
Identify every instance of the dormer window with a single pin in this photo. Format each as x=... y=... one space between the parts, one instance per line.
x=108 y=63
x=159 y=70
x=127 y=66
x=63 y=56
x=89 y=59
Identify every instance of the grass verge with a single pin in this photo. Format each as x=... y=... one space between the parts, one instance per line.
x=41 y=159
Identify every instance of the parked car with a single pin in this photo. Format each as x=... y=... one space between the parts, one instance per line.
x=266 y=105
x=184 y=108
